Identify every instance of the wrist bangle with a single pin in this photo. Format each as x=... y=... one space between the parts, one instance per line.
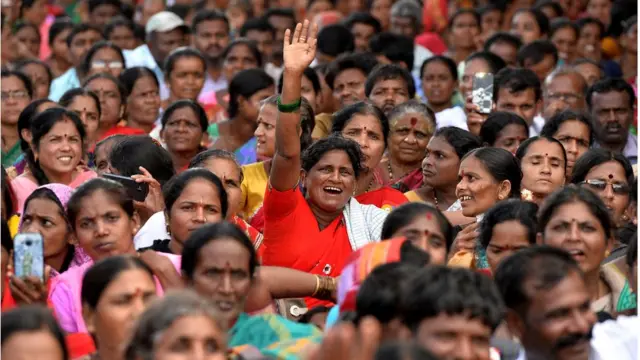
x=289 y=108
x=317 y=286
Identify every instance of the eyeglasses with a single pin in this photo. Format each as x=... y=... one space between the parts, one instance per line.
x=601 y=185
x=113 y=65
x=570 y=98
x=16 y=95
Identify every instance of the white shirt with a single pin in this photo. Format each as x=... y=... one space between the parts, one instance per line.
x=536 y=128
x=453 y=116
x=141 y=56
x=154 y=229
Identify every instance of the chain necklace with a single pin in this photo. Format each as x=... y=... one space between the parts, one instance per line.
x=390 y=170
x=435 y=199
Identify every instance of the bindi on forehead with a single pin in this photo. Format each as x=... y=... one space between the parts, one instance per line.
x=414 y=121
x=610 y=176
x=429 y=216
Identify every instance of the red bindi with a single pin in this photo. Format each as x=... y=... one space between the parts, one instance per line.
x=429 y=216
x=414 y=121
x=610 y=176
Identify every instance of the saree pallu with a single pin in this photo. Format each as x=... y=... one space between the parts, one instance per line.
x=261 y=331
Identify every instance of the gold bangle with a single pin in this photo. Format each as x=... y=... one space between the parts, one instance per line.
x=317 y=286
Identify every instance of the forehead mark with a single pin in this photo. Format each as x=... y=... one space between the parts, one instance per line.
x=429 y=216
x=610 y=176
x=414 y=121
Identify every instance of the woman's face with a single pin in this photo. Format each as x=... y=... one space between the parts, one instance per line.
x=589 y=42
x=110 y=101
x=40 y=344
x=106 y=60
x=525 y=26
x=381 y=10
x=103 y=166
x=331 y=181
x=14 y=99
x=123 y=37
x=601 y=10
x=249 y=107
x=30 y=38
x=143 y=104
x=470 y=68
x=198 y=204
x=182 y=133
x=103 y=228
x=603 y=178
x=366 y=130
x=425 y=233
x=120 y=305
x=440 y=164
x=464 y=30
x=87 y=110
x=231 y=176
x=566 y=42
x=60 y=49
x=187 y=78
x=222 y=275
x=45 y=217
x=510 y=137
x=477 y=189
x=438 y=83
x=574 y=228
x=408 y=137
x=543 y=168
x=507 y=237
x=266 y=132
x=192 y=337
x=491 y=22
x=239 y=58
x=60 y=150
x=574 y=136
x=39 y=78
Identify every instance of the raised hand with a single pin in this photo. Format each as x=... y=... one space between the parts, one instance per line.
x=300 y=50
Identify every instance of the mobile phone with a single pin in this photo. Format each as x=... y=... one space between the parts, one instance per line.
x=482 y=93
x=137 y=191
x=28 y=255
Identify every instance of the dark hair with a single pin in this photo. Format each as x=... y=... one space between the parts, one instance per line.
x=123 y=92
x=362 y=18
x=343 y=116
x=317 y=150
x=384 y=72
x=460 y=140
x=396 y=48
x=540 y=18
x=128 y=155
x=436 y=290
x=403 y=351
x=182 y=10
x=582 y=22
x=26 y=25
x=98 y=277
x=522 y=149
x=58 y=26
x=515 y=81
x=502 y=165
x=115 y=190
x=535 y=52
x=447 y=61
x=557 y=8
x=24 y=120
x=542 y=267
x=22 y=77
x=572 y=194
x=7 y=240
x=47 y=194
x=404 y=214
x=8 y=196
x=244 y=42
x=86 y=64
x=246 y=83
x=283 y=12
x=20 y=65
x=179 y=53
x=523 y=212
x=212 y=232
x=201 y=115
x=632 y=251
x=335 y=39
x=607 y=85
x=562 y=23
x=598 y=156
x=461 y=12
x=79 y=29
x=552 y=125
x=68 y=97
x=257 y=24
x=116 y=138
x=117 y=22
x=40 y=126
x=310 y=74
x=93 y=4
x=130 y=76
x=498 y=121
x=32 y=318
x=363 y=62
x=503 y=37
x=174 y=187
x=495 y=62
x=199 y=160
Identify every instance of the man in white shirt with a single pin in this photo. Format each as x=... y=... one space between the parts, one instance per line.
x=166 y=32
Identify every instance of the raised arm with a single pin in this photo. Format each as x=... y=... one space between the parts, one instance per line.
x=298 y=53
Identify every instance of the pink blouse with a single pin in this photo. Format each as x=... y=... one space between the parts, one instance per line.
x=23 y=186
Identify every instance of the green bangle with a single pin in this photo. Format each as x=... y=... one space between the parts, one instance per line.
x=289 y=108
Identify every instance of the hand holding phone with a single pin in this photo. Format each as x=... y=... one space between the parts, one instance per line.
x=482 y=93
x=137 y=190
x=28 y=256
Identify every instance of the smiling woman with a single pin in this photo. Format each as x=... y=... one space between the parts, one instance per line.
x=86 y=105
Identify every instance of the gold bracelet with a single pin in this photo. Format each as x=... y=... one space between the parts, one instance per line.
x=317 y=286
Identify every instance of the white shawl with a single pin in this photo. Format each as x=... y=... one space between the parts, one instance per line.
x=364 y=223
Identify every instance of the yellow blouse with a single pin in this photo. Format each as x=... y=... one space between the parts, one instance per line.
x=413 y=196
x=13 y=223
x=253 y=187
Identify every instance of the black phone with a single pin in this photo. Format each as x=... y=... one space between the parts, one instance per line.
x=137 y=191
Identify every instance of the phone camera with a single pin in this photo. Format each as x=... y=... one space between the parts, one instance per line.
x=28 y=242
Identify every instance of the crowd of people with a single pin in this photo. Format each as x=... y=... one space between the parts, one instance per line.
x=318 y=180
